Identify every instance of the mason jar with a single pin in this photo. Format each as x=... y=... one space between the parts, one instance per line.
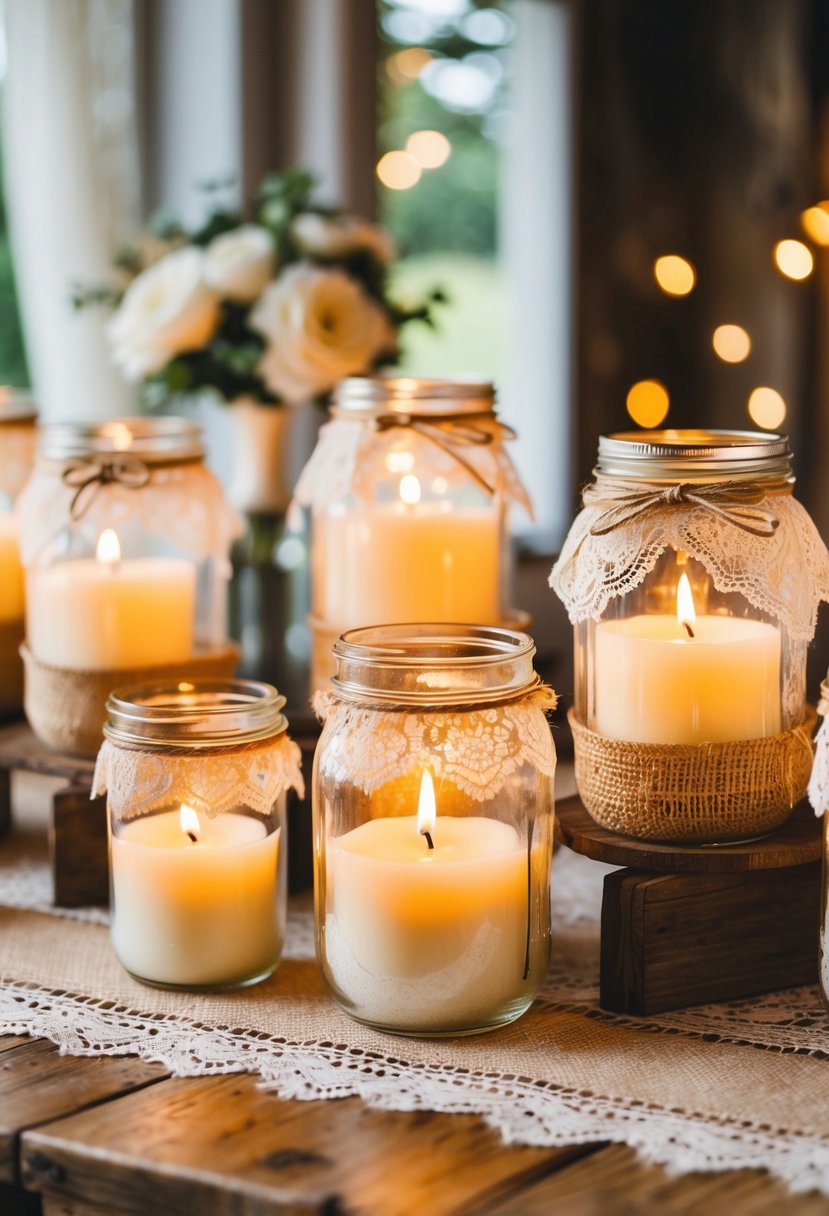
x=433 y=827
x=409 y=488
x=125 y=538
x=692 y=577
x=18 y=416
x=196 y=775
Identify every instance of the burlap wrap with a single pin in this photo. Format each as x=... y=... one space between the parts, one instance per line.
x=702 y=793
x=66 y=708
x=11 y=668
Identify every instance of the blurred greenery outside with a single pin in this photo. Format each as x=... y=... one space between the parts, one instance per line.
x=13 y=366
x=446 y=225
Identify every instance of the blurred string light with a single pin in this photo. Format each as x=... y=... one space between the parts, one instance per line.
x=766 y=408
x=731 y=343
x=430 y=149
x=815 y=221
x=398 y=170
x=674 y=274
x=406 y=65
x=648 y=402
x=794 y=259
x=488 y=27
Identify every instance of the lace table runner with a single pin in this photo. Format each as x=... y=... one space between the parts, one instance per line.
x=740 y=1084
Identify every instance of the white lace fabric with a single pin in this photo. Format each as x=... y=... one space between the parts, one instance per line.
x=784 y=574
x=345 y=462
x=478 y=750
x=183 y=503
x=139 y=782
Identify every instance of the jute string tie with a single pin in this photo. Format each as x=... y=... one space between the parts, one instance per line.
x=87 y=477
x=733 y=501
x=451 y=432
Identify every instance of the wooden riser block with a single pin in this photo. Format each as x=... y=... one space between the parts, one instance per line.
x=670 y=940
x=78 y=848
x=5 y=801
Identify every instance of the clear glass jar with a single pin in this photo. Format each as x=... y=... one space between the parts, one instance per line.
x=196 y=775
x=433 y=828
x=17 y=443
x=125 y=537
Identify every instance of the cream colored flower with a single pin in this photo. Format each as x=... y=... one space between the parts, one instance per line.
x=165 y=310
x=320 y=326
x=338 y=236
x=238 y=264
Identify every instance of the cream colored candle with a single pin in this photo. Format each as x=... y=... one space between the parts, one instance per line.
x=12 y=605
x=108 y=613
x=407 y=561
x=424 y=938
x=195 y=903
x=655 y=683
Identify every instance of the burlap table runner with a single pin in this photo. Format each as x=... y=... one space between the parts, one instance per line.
x=563 y=1074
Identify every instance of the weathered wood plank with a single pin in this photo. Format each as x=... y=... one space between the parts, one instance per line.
x=79 y=848
x=19 y=749
x=613 y=1181
x=220 y=1145
x=670 y=940
x=37 y=1084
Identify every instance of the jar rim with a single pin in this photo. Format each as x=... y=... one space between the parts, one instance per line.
x=433 y=664
x=695 y=451
x=413 y=396
x=194 y=713
x=153 y=440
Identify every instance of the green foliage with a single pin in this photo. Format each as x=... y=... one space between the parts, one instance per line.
x=14 y=368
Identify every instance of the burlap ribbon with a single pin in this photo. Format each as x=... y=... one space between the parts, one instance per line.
x=451 y=432
x=734 y=501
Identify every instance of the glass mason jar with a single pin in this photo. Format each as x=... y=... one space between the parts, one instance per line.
x=18 y=432
x=408 y=490
x=196 y=776
x=692 y=619
x=433 y=828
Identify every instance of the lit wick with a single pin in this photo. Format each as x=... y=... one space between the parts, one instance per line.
x=190 y=836
x=688 y=629
x=426 y=809
x=190 y=824
x=685 y=611
x=429 y=840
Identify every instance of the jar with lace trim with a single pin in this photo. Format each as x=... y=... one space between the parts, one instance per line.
x=408 y=489
x=125 y=537
x=17 y=444
x=196 y=775
x=693 y=578
x=433 y=828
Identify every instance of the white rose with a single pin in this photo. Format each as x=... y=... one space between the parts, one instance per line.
x=320 y=325
x=165 y=310
x=239 y=263
x=327 y=236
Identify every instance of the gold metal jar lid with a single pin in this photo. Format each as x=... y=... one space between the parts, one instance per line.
x=692 y=454
x=152 y=440
x=194 y=714
x=378 y=395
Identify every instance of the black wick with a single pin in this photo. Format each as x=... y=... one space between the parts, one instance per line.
x=688 y=628
x=195 y=839
x=429 y=840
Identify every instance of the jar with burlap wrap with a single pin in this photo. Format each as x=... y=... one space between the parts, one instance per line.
x=125 y=538
x=18 y=433
x=196 y=775
x=408 y=488
x=433 y=822
x=693 y=579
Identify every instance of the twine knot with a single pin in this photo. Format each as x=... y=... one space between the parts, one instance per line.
x=450 y=433
x=86 y=476
x=734 y=501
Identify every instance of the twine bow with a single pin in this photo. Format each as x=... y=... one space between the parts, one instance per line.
x=733 y=501
x=450 y=434
x=87 y=476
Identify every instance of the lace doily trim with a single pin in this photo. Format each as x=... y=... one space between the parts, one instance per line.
x=477 y=750
x=140 y=782
x=784 y=573
x=818 y=791
x=523 y=1110
x=343 y=463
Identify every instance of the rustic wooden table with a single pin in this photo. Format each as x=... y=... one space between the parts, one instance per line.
x=109 y=1136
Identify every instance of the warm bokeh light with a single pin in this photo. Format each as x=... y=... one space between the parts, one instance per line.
x=767 y=408
x=815 y=221
x=794 y=259
x=409 y=490
x=120 y=434
x=731 y=343
x=108 y=549
x=648 y=402
x=430 y=149
x=675 y=275
x=407 y=65
x=398 y=171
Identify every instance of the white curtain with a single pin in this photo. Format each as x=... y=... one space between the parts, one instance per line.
x=71 y=167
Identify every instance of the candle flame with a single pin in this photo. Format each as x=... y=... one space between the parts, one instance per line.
x=410 y=489
x=109 y=549
x=189 y=821
x=426 y=808
x=685 y=611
